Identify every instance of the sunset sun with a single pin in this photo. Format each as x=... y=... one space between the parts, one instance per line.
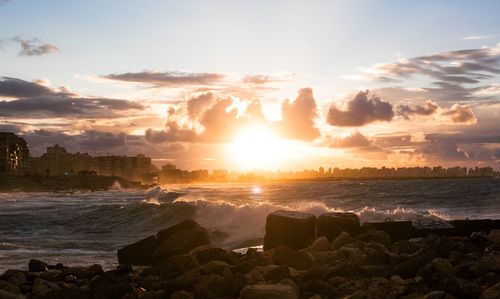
x=255 y=147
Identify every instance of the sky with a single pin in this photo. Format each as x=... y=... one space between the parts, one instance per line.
x=242 y=85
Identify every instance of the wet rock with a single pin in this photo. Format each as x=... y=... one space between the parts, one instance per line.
x=110 y=285
x=180 y=239
x=292 y=258
x=139 y=253
x=37 y=266
x=207 y=253
x=277 y=273
x=492 y=292
x=84 y=272
x=341 y=240
x=214 y=267
x=295 y=230
x=51 y=275
x=269 y=291
x=184 y=282
x=331 y=225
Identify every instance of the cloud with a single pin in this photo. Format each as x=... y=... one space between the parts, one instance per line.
x=360 y=111
x=462 y=114
x=298 y=117
x=356 y=139
x=34 y=47
x=197 y=105
x=258 y=79
x=428 y=108
x=17 y=88
x=34 y=100
x=167 y=79
x=99 y=142
x=477 y=37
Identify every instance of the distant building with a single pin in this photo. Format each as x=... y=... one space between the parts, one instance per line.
x=57 y=161
x=14 y=155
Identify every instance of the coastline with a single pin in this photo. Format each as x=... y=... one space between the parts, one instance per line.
x=180 y=262
x=63 y=183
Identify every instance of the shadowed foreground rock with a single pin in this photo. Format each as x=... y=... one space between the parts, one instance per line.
x=289 y=228
x=367 y=265
x=177 y=239
x=331 y=225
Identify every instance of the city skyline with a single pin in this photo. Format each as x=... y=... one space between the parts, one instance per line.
x=268 y=85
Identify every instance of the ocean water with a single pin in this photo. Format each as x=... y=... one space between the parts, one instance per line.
x=84 y=228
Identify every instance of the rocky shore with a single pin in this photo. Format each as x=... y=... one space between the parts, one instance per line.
x=304 y=256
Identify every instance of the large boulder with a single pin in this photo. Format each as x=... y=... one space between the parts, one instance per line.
x=139 y=253
x=289 y=228
x=268 y=291
x=331 y=225
x=178 y=239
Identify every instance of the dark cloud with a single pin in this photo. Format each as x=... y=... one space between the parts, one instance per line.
x=441 y=150
x=428 y=108
x=61 y=106
x=167 y=79
x=462 y=114
x=298 y=117
x=33 y=100
x=34 y=47
x=11 y=128
x=360 y=111
x=98 y=142
x=17 y=88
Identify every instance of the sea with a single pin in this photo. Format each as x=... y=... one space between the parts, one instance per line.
x=84 y=228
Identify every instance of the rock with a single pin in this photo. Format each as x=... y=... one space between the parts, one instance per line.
x=175 y=266
x=321 y=244
x=9 y=287
x=15 y=277
x=375 y=236
x=180 y=239
x=42 y=287
x=396 y=230
x=318 y=287
x=268 y=291
x=37 y=266
x=494 y=236
x=487 y=263
x=214 y=267
x=331 y=225
x=210 y=286
x=492 y=292
x=408 y=268
x=139 y=253
x=435 y=295
x=51 y=275
x=405 y=246
x=295 y=230
x=291 y=283
x=184 y=282
x=353 y=255
x=207 y=253
x=8 y=295
x=182 y=295
x=443 y=266
x=341 y=240
x=378 y=258
x=277 y=273
x=292 y=258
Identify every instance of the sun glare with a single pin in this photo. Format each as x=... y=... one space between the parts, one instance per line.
x=256 y=147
